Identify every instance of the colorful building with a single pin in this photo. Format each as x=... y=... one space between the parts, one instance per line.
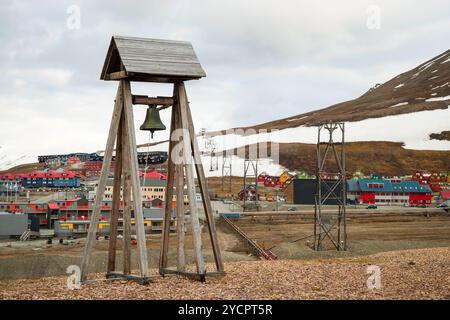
x=51 y=179
x=153 y=186
x=384 y=192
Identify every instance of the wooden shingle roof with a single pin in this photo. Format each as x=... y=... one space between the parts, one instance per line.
x=153 y=60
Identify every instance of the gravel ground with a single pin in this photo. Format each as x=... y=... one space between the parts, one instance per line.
x=408 y=274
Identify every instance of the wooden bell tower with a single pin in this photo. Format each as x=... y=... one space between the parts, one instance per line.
x=149 y=60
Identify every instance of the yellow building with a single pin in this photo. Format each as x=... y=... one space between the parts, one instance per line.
x=151 y=188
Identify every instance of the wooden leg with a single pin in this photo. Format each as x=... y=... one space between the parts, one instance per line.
x=135 y=184
x=168 y=195
x=102 y=183
x=204 y=191
x=181 y=259
x=187 y=150
x=126 y=203
x=114 y=219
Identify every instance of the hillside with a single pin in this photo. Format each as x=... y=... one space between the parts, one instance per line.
x=382 y=157
x=426 y=87
x=24 y=168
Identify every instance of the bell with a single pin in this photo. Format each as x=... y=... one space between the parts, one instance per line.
x=152 y=120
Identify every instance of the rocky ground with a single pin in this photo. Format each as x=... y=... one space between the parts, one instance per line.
x=407 y=274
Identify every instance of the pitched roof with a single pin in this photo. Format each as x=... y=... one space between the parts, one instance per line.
x=445 y=194
x=153 y=182
x=410 y=186
x=353 y=185
x=155 y=174
x=145 y=59
x=375 y=185
x=149 y=182
x=156 y=213
x=51 y=174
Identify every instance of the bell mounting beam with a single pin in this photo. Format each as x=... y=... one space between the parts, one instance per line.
x=159 y=101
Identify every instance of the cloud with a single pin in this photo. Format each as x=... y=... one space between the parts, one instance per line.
x=264 y=60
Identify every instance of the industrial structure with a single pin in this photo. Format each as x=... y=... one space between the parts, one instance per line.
x=330 y=225
x=227 y=172
x=249 y=193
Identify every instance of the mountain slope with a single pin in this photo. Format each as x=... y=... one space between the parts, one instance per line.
x=426 y=87
x=382 y=157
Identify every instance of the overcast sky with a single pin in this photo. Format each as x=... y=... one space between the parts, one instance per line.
x=264 y=60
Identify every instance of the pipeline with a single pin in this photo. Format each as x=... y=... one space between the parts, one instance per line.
x=254 y=247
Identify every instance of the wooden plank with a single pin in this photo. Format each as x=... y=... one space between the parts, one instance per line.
x=114 y=219
x=194 y=276
x=126 y=202
x=137 y=39
x=187 y=150
x=163 y=68
x=181 y=258
x=145 y=100
x=163 y=58
x=151 y=47
x=93 y=226
x=204 y=192
x=135 y=184
x=168 y=194
x=116 y=75
x=128 y=277
x=142 y=77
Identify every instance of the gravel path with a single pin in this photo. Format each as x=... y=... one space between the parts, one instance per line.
x=408 y=274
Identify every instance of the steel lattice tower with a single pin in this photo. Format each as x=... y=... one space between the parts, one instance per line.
x=226 y=172
x=330 y=225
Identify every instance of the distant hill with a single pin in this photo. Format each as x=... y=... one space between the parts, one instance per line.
x=382 y=157
x=426 y=87
x=24 y=168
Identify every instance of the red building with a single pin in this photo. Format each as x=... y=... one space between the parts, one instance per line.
x=384 y=192
x=94 y=168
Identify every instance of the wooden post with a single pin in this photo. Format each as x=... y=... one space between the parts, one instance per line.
x=168 y=193
x=126 y=202
x=114 y=219
x=187 y=154
x=204 y=191
x=181 y=259
x=182 y=119
x=118 y=106
x=135 y=184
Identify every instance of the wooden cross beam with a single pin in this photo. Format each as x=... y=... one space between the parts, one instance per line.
x=145 y=100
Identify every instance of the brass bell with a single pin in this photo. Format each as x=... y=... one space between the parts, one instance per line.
x=152 y=120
